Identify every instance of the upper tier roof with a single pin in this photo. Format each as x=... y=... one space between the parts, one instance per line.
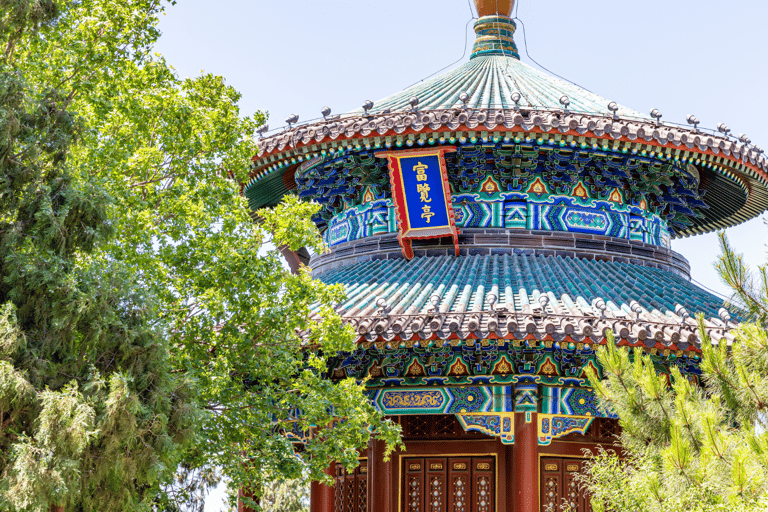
x=494 y=97
x=490 y=81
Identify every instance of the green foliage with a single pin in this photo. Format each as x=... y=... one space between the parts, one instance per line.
x=286 y=496
x=90 y=415
x=750 y=291
x=148 y=324
x=689 y=447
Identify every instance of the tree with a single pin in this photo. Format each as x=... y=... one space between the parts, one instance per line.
x=90 y=415
x=149 y=294
x=689 y=447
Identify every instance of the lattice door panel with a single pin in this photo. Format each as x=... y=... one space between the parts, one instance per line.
x=413 y=490
x=449 y=484
x=483 y=485
x=560 y=490
x=460 y=485
x=351 y=489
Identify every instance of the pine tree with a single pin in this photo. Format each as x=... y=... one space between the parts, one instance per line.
x=90 y=415
x=689 y=447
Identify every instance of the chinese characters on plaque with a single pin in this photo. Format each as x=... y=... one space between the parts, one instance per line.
x=421 y=195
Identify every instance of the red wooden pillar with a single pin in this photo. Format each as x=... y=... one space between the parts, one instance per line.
x=316 y=496
x=329 y=491
x=510 y=488
x=321 y=497
x=525 y=463
x=379 y=478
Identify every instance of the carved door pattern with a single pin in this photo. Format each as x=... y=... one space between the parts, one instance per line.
x=560 y=491
x=448 y=484
x=351 y=489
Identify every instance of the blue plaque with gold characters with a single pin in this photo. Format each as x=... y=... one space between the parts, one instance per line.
x=421 y=195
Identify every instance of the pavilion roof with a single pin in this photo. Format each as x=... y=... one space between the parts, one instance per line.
x=501 y=296
x=476 y=101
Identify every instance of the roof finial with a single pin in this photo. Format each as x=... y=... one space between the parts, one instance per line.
x=495 y=29
x=493 y=7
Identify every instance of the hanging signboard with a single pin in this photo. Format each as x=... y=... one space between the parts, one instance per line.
x=421 y=195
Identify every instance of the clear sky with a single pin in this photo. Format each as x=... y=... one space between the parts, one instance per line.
x=701 y=57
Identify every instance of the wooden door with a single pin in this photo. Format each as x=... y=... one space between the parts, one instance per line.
x=351 y=489
x=448 y=484
x=560 y=491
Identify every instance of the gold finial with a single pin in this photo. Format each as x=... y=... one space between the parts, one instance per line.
x=492 y=7
x=495 y=29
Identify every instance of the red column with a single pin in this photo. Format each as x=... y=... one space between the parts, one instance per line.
x=329 y=496
x=316 y=496
x=509 y=452
x=379 y=478
x=321 y=497
x=525 y=463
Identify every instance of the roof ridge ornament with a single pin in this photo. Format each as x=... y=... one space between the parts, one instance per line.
x=614 y=107
x=656 y=115
x=516 y=97
x=464 y=98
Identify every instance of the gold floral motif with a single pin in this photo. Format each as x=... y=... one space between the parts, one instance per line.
x=415 y=467
x=483 y=465
x=459 y=466
x=572 y=467
x=503 y=367
x=414 y=369
x=436 y=466
x=458 y=368
x=550 y=467
x=375 y=370
x=548 y=368
x=412 y=399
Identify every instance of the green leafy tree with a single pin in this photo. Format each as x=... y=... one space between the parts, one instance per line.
x=149 y=321
x=690 y=447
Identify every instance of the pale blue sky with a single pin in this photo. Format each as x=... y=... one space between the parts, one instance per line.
x=701 y=57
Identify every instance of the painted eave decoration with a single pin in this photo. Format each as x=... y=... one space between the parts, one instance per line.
x=741 y=163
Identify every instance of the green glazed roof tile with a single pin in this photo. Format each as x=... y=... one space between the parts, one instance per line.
x=465 y=284
x=490 y=81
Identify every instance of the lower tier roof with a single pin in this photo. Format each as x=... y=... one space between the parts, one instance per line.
x=513 y=295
